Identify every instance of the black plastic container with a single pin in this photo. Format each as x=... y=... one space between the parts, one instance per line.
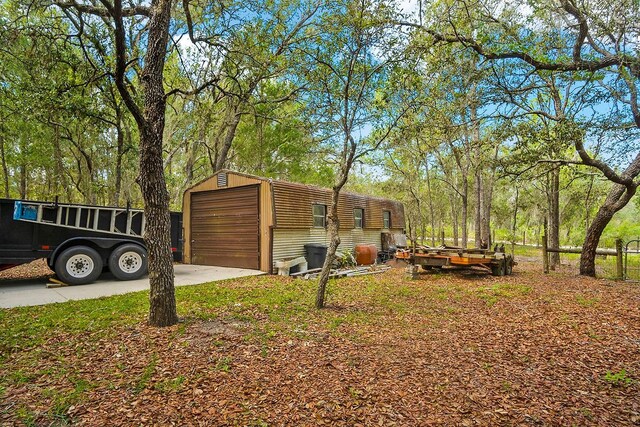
x=316 y=254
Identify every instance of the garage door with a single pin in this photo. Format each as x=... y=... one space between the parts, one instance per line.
x=225 y=228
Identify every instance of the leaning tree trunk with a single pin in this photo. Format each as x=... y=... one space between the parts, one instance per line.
x=334 y=242
x=5 y=170
x=157 y=235
x=334 y=224
x=617 y=199
x=230 y=126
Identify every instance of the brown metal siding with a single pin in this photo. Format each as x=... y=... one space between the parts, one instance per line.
x=225 y=227
x=293 y=204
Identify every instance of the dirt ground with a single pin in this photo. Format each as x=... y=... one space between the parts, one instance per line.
x=37 y=269
x=450 y=348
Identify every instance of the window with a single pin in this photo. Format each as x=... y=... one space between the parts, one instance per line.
x=319 y=216
x=358 y=215
x=386 y=219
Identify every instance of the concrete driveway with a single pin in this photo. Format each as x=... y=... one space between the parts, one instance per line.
x=17 y=293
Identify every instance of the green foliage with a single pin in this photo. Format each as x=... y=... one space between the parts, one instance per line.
x=224 y=364
x=147 y=374
x=492 y=294
x=170 y=385
x=586 y=301
x=280 y=77
x=618 y=379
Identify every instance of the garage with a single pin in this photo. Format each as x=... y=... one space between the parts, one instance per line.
x=232 y=219
x=225 y=227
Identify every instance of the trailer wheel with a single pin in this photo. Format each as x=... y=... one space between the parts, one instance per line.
x=499 y=269
x=509 y=266
x=78 y=265
x=128 y=262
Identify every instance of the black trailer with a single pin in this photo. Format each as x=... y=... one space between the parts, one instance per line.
x=78 y=241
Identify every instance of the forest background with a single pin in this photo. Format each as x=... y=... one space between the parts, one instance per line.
x=477 y=148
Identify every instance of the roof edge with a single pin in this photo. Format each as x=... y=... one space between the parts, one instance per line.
x=276 y=181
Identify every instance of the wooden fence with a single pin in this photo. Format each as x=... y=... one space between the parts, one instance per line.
x=617 y=252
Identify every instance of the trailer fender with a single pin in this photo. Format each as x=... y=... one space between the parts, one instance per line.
x=102 y=244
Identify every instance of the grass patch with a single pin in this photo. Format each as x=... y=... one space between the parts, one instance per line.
x=23 y=328
x=224 y=364
x=147 y=373
x=64 y=399
x=26 y=327
x=170 y=385
x=586 y=301
x=492 y=294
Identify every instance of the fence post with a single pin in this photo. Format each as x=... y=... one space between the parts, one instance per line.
x=545 y=255
x=619 y=268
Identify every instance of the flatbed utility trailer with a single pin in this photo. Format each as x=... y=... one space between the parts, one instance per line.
x=499 y=263
x=78 y=241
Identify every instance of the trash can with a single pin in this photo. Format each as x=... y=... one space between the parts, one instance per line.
x=316 y=253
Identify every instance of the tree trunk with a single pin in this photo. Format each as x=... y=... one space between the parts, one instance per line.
x=487 y=198
x=119 y=154
x=431 y=212
x=514 y=223
x=334 y=242
x=454 y=219
x=617 y=199
x=333 y=223
x=413 y=231
x=231 y=125
x=5 y=168
x=58 y=167
x=464 y=194
x=478 y=219
x=23 y=180
x=465 y=213
x=554 y=217
x=157 y=234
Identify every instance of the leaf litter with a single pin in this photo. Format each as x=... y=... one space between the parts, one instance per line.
x=450 y=348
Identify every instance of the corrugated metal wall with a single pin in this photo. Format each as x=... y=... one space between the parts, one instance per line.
x=293 y=204
x=287 y=207
x=290 y=243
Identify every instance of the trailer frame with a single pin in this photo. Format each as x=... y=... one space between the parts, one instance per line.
x=497 y=262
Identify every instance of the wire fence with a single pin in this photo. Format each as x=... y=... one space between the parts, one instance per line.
x=632 y=260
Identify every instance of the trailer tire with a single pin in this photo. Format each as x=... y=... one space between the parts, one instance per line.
x=128 y=262
x=509 y=266
x=78 y=265
x=499 y=269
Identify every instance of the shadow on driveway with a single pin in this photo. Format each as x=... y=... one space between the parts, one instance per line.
x=27 y=292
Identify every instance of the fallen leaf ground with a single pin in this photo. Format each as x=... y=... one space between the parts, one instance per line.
x=447 y=349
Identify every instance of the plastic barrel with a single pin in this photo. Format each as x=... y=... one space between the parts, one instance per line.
x=316 y=253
